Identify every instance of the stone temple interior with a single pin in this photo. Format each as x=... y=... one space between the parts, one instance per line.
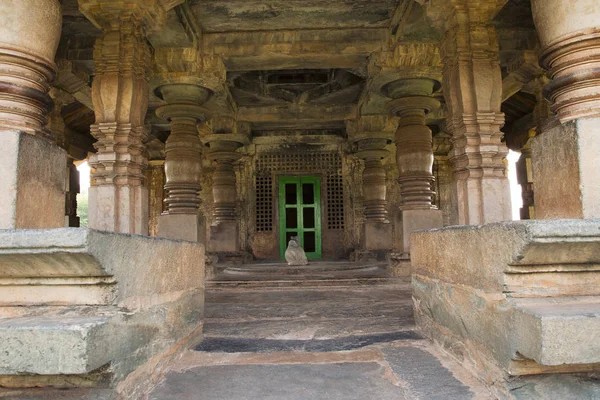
x=375 y=133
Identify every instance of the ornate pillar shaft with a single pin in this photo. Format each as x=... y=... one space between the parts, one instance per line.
x=118 y=195
x=156 y=183
x=473 y=91
x=565 y=152
x=224 y=231
x=374 y=188
x=413 y=100
x=183 y=160
x=525 y=179
x=33 y=167
x=183 y=166
x=224 y=190
x=414 y=156
x=377 y=230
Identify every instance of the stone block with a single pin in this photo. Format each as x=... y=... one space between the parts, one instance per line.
x=53 y=345
x=32 y=183
x=190 y=227
x=511 y=298
x=224 y=237
x=376 y=236
x=415 y=220
x=573 y=189
x=559 y=332
x=145 y=299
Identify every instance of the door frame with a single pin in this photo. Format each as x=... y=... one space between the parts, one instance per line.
x=298 y=180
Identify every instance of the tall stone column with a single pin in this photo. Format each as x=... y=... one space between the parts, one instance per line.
x=156 y=184
x=224 y=232
x=566 y=150
x=525 y=179
x=183 y=162
x=377 y=230
x=414 y=153
x=32 y=182
x=473 y=90
x=118 y=198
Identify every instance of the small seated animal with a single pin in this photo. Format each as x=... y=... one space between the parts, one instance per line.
x=295 y=255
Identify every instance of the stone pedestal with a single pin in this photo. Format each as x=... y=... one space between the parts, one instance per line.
x=32 y=183
x=188 y=227
x=33 y=168
x=415 y=220
x=376 y=236
x=566 y=161
x=224 y=237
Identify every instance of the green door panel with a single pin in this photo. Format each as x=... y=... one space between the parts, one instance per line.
x=300 y=213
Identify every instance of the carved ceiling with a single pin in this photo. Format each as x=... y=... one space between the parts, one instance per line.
x=264 y=88
x=311 y=64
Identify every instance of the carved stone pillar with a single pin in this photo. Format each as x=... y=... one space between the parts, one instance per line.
x=566 y=150
x=414 y=153
x=224 y=232
x=473 y=91
x=118 y=199
x=183 y=162
x=377 y=230
x=525 y=179
x=156 y=184
x=33 y=168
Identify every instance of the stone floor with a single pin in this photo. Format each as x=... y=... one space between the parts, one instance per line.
x=339 y=334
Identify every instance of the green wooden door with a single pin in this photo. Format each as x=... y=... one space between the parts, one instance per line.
x=300 y=213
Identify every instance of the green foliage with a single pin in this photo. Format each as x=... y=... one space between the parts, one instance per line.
x=82 y=209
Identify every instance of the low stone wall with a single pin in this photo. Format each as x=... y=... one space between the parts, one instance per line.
x=514 y=301
x=97 y=303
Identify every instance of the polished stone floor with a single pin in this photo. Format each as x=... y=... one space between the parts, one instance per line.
x=281 y=338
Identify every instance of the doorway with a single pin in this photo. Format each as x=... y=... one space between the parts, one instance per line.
x=300 y=213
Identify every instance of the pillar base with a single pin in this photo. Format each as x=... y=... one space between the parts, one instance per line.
x=32 y=183
x=566 y=159
x=414 y=220
x=376 y=236
x=224 y=237
x=188 y=227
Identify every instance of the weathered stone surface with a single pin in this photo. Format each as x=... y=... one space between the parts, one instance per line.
x=416 y=367
x=573 y=190
x=189 y=227
x=143 y=315
x=414 y=220
x=32 y=183
x=52 y=346
x=287 y=382
x=376 y=236
x=224 y=237
x=559 y=332
x=483 y=293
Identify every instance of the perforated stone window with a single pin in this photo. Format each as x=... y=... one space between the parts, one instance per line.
x=264 y=202
x=328 y=164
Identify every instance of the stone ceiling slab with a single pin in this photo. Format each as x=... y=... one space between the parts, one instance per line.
x=242 y=15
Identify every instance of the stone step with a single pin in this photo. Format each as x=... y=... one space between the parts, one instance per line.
x=305 y=283
x=326 y=269
x=54 y=345
x=559 y=331
x=245 y=345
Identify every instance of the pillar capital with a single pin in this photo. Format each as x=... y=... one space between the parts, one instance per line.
x=570 y=36
x=108 y=15
x=27 y=64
